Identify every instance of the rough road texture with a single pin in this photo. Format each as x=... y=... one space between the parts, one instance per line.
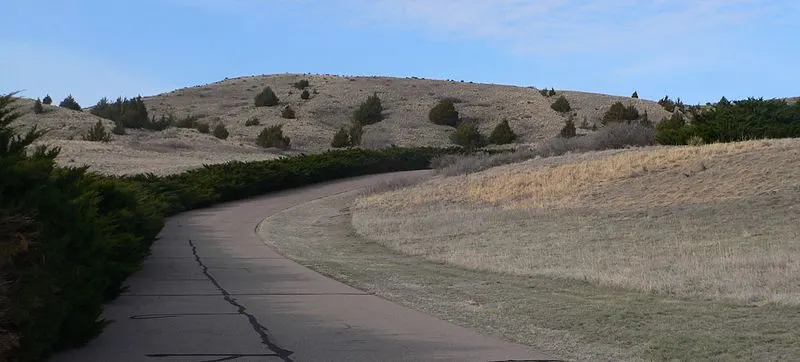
x=212 y=291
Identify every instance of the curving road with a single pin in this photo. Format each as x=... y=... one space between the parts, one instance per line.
x=212 y=291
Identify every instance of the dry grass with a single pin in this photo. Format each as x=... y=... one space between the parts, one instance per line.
x=566 y=317
x=715 y=221
x=333 y=99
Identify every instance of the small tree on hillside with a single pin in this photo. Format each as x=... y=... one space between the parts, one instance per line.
x=70 y=103
x=221 y=132
x=305 y=95
x=444 y=113
x=620 y=113
x=273 y=137
x=356 y=133
x=288 y=113
x=568 y=131
x=502 y=134
x=635 y=94
x=561 y=105
x=370 y=111
x=468 y=136
x=37 y=107
x=302 y=84
x=97 y=133
x=340 y=139
x=47 y=100
x=551 y=93
x=266 y=98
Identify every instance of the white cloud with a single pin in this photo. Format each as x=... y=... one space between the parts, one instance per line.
x=36 y=70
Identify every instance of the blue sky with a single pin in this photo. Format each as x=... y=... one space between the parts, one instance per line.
x=697 y=50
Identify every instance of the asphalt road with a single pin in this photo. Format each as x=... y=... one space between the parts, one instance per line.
x=212 y=291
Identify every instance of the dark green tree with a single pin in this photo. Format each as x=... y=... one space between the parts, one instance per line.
x=70 y=103
x=502 y=134
x=98 y=133
x=37 y=107
x=468 y=136
x=47 y=100
x=221 y=132
x=635 y=94
x=568 y=131
x=288 y=112
x=620 y=113
x=551 y=93
x=370 y=111
x=444 y=113
x=302 y=84
x=305 y=95
x=561 y=105
x=272 y=136
x=341 y=139
x=356 y=132
x=266 y=98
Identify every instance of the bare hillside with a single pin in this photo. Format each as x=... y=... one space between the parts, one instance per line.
x=406 y=100
x=332 y=101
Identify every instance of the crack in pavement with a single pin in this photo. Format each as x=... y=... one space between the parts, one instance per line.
x=175 y=315
x=283 y=354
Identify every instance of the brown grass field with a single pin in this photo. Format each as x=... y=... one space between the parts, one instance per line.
x=660 y=253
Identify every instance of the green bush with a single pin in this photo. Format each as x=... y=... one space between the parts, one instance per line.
x=734 y=121
x=620 y=113
x=551 y=93
x=221 y=132
x=190 y=121
x=544 y=92
x=370 y=111
x=341 y=139
x=37 y=107
x=288 y=112
x=253 y=121
x=635 y=94
x=468 y=136
x=47 y=100
x=97 y=133
x=444 y=113
x=561 y=105
x=302 y=84
x=203 y=128
x=305 y=95
x=356 y=133
x=568 y=131
x=131 y=113
x=118 y=129
x=502 y=134
x=70 y=103
x=272 y=136
x=266 y=98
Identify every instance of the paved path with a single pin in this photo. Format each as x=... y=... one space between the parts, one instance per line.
x=212 y=291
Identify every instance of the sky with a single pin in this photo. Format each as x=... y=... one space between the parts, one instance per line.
x=698 y=50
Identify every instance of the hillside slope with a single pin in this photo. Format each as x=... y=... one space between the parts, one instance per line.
x=332 y=101
x=406 y=100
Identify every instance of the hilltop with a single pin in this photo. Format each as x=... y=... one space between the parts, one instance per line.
x=332 y=100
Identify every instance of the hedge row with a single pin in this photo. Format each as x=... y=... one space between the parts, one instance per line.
x=69 y=238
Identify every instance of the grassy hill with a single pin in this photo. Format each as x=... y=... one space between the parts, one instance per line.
x=332 y=100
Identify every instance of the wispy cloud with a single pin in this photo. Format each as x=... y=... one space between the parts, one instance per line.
x=559 y=27
x=639 y=36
